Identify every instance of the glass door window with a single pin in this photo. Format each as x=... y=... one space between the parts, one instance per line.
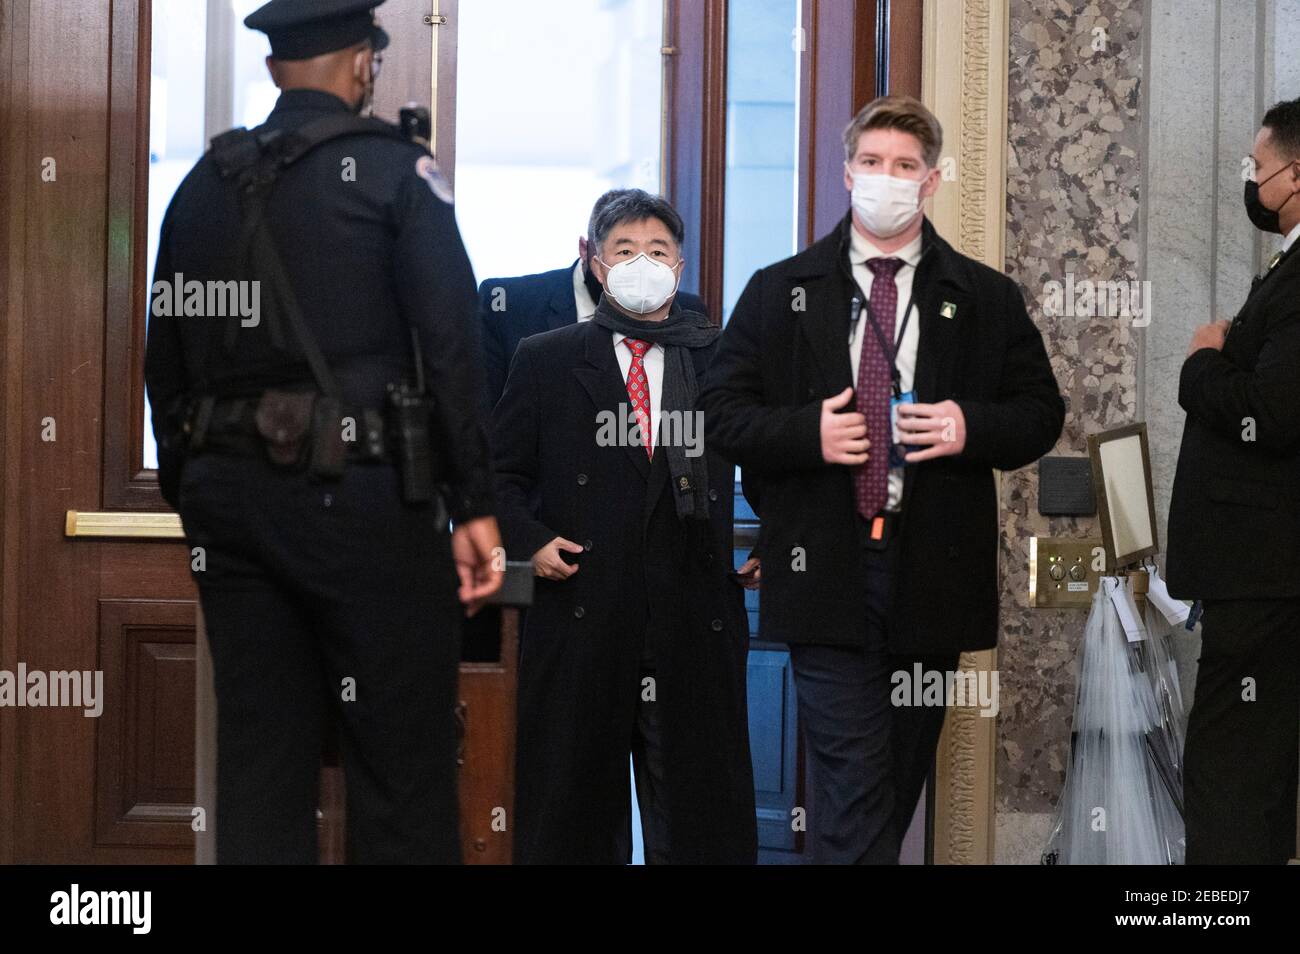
x=207 y=74
x=763 y=43
x=552 y=109
x=762 y=174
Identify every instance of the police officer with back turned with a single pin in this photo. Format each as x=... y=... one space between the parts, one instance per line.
x=313 y=372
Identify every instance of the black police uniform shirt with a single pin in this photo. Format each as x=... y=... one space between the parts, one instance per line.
x=368 y=237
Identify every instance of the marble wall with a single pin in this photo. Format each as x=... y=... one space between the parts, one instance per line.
x=1074 y=178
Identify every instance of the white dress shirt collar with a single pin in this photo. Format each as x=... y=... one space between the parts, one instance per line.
x=581 y=297
x=1290 y=238
x=618 y=343
x=861 y=248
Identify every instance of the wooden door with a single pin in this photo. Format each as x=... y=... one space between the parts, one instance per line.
x=94 y=574
x=107 y=589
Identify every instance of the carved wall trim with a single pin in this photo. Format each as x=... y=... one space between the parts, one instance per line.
x=964 y=81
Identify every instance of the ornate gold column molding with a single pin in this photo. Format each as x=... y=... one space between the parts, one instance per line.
x=964 y=81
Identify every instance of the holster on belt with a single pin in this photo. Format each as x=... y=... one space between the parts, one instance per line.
x=409 y=415
x=329 y=451
x=284 y=420
x=195 y=417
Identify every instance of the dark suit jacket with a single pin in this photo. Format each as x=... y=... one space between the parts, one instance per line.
x=1234 y=519
x=511 y=309
x=645 y=576
x=762 y=405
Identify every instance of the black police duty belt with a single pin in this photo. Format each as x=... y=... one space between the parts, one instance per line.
x=228 y=426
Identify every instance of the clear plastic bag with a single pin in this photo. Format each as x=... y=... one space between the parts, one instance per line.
x=1122 y=801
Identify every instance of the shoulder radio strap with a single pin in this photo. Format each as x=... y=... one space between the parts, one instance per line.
x=255 y=159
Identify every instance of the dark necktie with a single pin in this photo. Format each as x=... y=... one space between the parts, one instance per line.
x=871 y=480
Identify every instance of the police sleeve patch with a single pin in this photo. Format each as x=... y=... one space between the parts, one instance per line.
x=426 y=167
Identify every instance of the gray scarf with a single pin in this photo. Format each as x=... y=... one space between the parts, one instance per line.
x=680 y=333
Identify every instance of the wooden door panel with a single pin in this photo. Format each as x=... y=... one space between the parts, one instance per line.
x=487 y=758
x=56 y=61
x=144 y=787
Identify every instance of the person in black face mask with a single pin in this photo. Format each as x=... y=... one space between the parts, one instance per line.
x=1262 y=215
x=1234 y=538
x=292 y=446
x=511 y=309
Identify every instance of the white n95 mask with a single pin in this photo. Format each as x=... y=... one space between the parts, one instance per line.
x=641 y=285
x=885 y=205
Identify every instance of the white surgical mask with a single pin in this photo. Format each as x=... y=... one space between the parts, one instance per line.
x=641 y=284
x=885 y=205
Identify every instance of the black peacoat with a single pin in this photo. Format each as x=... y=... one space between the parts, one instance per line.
x=645 y=577
x=785 y=349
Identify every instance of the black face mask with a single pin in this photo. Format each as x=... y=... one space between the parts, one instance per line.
x=1260 y=215
x=594 y=287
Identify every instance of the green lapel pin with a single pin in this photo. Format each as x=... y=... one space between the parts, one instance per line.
x=949 y=310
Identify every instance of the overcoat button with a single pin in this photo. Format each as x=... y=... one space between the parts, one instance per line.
x=579 y=612
x=713 y=495
x=582 y=480
x=717 y=625
x=586 y=545
x=952 y=553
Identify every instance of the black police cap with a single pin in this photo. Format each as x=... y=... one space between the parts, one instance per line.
x=301 y=29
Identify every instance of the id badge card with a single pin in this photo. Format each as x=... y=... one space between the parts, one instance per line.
x=897 y=448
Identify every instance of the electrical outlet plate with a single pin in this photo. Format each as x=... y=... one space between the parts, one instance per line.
x=1061 y=571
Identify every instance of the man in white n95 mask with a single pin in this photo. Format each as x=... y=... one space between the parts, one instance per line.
x=511 y=309
x=637 y=638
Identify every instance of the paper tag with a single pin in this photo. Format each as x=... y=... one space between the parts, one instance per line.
x=1121 y=597
x=1158 y=593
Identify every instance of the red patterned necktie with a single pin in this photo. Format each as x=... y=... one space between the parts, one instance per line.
x=874 y=389
x=638 y=389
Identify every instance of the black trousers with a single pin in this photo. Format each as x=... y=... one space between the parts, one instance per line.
x=1243 y=735
x=320 y=597
x=649 y=774
x=867 y=759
